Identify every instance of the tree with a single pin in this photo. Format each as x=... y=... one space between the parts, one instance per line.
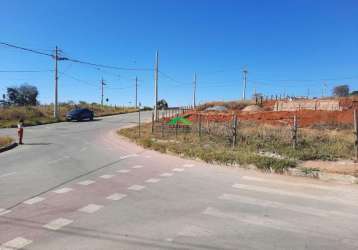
x=162 y=104
x=25 y=95
x=341 y=90
x=355 y=92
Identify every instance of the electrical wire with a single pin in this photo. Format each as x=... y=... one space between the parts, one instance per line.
x=24 y=71
x=26 y=49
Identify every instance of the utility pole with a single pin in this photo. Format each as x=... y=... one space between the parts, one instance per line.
x=244 y=72
x=136 y=92
x=55 y=105
x=324 y=89
x=194 y=91
x=156 y=69
x=102 y=91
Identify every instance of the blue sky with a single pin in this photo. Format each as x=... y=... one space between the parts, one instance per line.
x=288 y=47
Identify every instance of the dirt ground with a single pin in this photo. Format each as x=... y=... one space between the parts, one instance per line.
x=338 y=167
x=306 y=117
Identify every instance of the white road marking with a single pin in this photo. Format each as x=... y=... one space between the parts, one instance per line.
x=128 y=156
x=188 y=165
x=83 y=149
x=4 y=211
x=86 y=182
x=58 y=224
x=294 y=194
x=106 y=176
x=152 y=180
x=251 y=178
x=116 y=197
x=136 y=187
x=148 y=156
x=91 y=208
x=34 y=200
x=63 y=190
x=138 y=166
x=17 y=243
x=7 y=174
x=178 y=169
x=254 y=220
x=284 y=206
x=123 y=171
x=166 y=174
x=60 y=159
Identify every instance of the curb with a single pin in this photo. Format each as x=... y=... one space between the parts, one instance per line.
x=8 y=147
x=324 y=176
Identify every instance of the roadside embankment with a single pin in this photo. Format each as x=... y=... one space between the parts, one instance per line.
x=263 y=147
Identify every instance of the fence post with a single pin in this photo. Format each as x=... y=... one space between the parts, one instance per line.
x=199 y=123
x=152 y=122
x=355 y=120
x=234 y=131
x=139 y=122
x=294 y=132
x=176 y=127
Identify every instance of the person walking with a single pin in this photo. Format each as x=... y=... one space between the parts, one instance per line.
x=20 y=130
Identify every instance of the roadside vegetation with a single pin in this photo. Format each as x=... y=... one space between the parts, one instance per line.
x=267 y=147
x=43 y=114
x=21 y=102
x=5 y=140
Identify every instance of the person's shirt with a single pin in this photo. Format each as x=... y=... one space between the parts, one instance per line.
x=19 y=125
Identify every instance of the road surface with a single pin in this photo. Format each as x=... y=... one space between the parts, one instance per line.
x=79 y=186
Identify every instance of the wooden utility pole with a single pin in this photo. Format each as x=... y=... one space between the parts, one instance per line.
x=156 y=69
x=136 y=92
x=355 y=120
x=55 y=105
x=194 y=91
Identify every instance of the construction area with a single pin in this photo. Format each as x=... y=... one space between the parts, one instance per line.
x=309 y=112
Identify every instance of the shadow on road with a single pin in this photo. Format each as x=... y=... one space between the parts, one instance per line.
x=37 y=144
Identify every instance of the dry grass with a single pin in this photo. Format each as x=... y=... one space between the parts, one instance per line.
x=230 y=105
x=35 y=115
x=266 y=146
x=5 y=140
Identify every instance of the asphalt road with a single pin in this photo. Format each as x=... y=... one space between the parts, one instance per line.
x=79 y=186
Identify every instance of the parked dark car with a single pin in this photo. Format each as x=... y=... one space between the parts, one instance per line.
x=80 y=115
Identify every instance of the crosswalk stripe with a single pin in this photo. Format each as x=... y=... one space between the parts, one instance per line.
x=57 y=224
x=279 y=205
x=293 y=194
x=309 y=185
x=252 y=219
x=90 y=208
x=116 y=197
x=17 y=243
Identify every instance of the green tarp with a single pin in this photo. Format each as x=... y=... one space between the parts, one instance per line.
x=179 y=121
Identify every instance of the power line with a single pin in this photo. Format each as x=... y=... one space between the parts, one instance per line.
x=26 y=49
x=74 y=60
x=24 y=71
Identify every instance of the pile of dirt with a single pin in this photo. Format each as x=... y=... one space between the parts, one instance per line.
x=252 y=108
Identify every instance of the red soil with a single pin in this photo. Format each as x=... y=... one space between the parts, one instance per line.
x=305 y=117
